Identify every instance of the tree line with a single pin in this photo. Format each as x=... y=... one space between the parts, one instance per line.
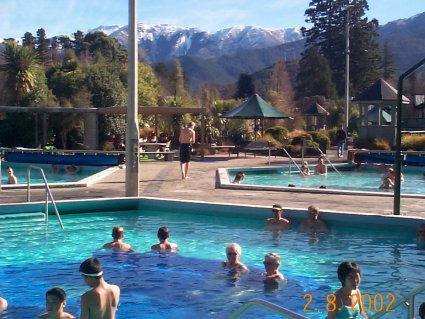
x=90 y=70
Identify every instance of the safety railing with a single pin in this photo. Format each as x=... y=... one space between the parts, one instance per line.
x=285 y=313
x=327 y=159
x=48 y=194
x=291 y=160
x=407 y=301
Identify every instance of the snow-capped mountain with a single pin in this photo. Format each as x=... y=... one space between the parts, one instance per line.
x=164 y=42
x=107 y=29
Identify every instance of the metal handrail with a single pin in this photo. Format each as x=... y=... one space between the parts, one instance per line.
x=408 y=301
x=330 y=163
x=291 y=159
x=48 y=194
x=266 y=305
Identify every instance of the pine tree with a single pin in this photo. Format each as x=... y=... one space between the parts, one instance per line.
x=43 y=47
x=28 y=40
x=178 y=87
x=245 y=87
x=329 y=19
x=315 y=76
x=388 y=66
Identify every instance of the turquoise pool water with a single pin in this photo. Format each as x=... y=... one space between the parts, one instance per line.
x=192 y=284
x=367 y=179
x=58 y=176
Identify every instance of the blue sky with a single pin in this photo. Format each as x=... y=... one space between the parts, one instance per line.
x=59 y=17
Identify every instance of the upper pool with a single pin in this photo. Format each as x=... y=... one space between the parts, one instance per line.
x=352 y=179
x=55 y=174
x=192 y=283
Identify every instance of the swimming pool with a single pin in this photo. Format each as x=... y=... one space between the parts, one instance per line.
x=192 y=284
x=57 y=177
x=352 y=180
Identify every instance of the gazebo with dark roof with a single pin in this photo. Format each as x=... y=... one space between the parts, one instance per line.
x=377 y=105
x=315 y=116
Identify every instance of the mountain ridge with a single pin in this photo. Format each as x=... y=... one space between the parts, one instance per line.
x=164 y=42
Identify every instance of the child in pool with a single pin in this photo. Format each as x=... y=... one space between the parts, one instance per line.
x=55 y=303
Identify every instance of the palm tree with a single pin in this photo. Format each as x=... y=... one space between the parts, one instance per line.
x=20 y=65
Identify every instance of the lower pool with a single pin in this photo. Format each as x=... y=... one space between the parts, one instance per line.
x=364 y=178
x=55 y=174
x=192 y=283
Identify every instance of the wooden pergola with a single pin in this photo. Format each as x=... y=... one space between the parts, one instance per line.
x=90 y=117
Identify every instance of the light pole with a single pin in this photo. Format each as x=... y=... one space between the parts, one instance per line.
x=347 y=68
x=132 y=131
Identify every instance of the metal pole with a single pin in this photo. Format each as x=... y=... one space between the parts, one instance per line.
x=28 y=184
x=347 y=68
x=132 y=133
x=398 y=154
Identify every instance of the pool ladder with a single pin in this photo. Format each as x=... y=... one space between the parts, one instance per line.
x=407 y=301
x=327 y=158
x=291 y=160
x=48 y=194
x=285 y=313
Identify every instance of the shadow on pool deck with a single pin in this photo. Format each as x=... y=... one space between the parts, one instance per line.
x=162 y=179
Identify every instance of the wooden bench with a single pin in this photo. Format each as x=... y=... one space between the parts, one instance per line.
x=230 y=149
x=255 y=147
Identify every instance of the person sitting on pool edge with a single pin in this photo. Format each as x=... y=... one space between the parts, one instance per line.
x=239 y=177
x=164 y=245
x=233 y=253
x=117 y=244
x=320 y=168
x=277 y=220
x=101 y=302
x=313 y=223
x=55 y=303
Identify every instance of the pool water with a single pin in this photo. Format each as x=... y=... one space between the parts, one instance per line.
x=57 y=176
x=192 y=283
x=367 y=179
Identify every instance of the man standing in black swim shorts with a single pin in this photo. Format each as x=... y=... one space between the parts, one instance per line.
x=186 y=139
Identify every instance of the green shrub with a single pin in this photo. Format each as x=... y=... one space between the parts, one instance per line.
x=321 y=138
x=279 y=133
x=271 y=139
x=294 y=150
x=309 y=142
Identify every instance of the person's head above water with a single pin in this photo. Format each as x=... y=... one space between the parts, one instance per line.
x=163 y=233
x=345 y=269
x=91 y=268
x=118 y=232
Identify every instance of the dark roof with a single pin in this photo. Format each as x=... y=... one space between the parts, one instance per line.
x=255 y=108
x=378 y=92
x=315 y=109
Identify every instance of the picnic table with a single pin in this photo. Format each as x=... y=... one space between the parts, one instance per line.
x=155 y=150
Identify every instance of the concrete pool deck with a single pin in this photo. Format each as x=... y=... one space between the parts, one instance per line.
x=163 y=180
